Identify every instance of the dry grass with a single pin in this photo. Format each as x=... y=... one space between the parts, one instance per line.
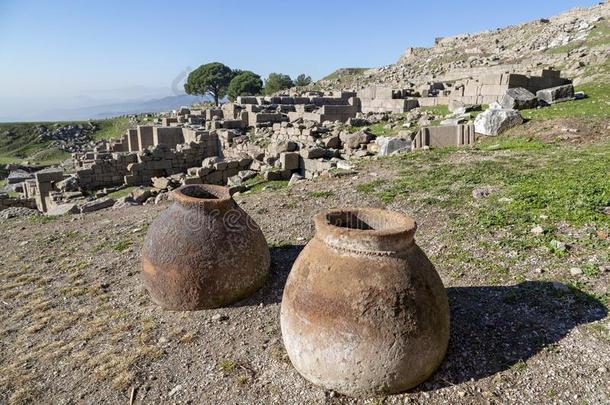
x=59 y=312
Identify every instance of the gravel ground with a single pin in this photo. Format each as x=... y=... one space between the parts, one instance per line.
x=77 y=326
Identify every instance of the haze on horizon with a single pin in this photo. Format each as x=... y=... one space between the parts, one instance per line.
x=71 y=54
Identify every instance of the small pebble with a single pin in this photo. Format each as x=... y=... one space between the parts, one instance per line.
x=575 y=271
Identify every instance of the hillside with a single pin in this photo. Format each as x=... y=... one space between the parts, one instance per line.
x=577 y=42
x=26 y=141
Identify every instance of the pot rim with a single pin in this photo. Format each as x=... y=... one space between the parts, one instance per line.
x=391 y=231
x=220 y=195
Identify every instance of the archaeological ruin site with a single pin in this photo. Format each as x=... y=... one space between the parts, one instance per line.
x=436 y=230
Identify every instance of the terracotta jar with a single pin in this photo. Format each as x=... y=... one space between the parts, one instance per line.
x=203 y=251
x=364 y=311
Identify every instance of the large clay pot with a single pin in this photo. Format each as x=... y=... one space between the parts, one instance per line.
x=203 y=251
x=364 y=311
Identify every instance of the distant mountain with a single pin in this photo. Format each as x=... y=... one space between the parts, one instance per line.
x=110 y=109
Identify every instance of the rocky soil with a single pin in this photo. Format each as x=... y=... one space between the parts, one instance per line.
x=529 y=301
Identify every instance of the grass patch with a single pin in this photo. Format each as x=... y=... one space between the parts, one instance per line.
x=518 y=143
x=122 y=245
x=273 y=185
x=227 y=366
x=381 y=128
x=562 y=184
x=111 y=128
x=321 y=194
x=437 y=109
x=124 y=192
x=370 y=187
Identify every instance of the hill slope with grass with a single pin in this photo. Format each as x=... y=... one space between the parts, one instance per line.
x=577 y=42
x=21 y=141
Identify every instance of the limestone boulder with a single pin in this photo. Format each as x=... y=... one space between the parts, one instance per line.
x=332 y=141
x=494 y=121
x=353 y=141
x=518 y=99
x=295 y=178
x=68 y=184
x=18 y=176
x=313 y=153
x=162 y=183
x=289 y=160
x=392 y=144
x=282 y=146
x=95 y=205
x=555 y=95
x=247 y=174
x=140 y=195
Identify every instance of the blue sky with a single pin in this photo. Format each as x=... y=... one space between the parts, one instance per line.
x=94 y=50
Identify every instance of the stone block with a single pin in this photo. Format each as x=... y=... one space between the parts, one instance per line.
x=388 y=145
x=289 y=160
x=49 y=175
x=145 y=137
x=555 y=95
x=494 y=121
x=312 y=153
x=457 y=135
x=95 y=205
x=518 y=98
x=214 y=177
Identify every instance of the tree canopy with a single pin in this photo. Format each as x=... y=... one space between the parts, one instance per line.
x=245 y=83
x=302 y=80
x=276 y=82
x=212 y=78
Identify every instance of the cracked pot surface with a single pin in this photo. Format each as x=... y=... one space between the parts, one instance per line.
x=203 y=251
x=364 y=312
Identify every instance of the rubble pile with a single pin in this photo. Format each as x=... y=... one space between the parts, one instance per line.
x=290 y=137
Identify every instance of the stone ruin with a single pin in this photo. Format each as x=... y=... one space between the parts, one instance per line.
x=285 y=137
x=486 y=88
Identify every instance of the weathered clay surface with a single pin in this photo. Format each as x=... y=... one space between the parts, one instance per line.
x=364 y=311
x=203 y=251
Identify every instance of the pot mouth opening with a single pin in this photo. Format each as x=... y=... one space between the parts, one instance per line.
x=369 y=220
x=198 y=192
x=202 y=194
x=366 y=230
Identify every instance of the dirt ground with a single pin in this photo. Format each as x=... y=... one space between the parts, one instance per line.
x=77 y=325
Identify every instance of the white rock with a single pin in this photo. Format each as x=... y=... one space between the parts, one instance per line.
x=175 y=390
x=388 y=145
x=495 y=121
x=537 y=230
x=575 y=271
x=295 y=178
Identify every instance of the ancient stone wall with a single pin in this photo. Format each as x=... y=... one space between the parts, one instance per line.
x=157 y=161
x=8 y=202
x=491 y=87
x=378 y=99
